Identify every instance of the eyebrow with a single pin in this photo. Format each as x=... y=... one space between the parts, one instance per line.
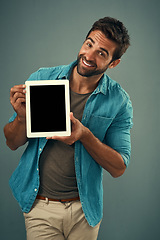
x=103 y=49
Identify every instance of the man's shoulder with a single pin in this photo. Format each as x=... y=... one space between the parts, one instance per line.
x=50 y=69
x=51 y=72
x=116 y=88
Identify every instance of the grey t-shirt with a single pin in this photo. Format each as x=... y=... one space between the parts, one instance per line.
x=57 y=169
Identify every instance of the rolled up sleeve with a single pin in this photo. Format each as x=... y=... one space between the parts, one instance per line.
x=118 y=134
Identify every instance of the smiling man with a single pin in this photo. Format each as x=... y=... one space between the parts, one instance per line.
x=58 y=182
x=96 y=55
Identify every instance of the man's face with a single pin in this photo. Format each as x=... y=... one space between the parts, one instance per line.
x=95 y=55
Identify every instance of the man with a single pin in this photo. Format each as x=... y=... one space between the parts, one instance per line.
x=58 y=182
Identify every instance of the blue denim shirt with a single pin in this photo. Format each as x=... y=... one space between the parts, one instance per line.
x=108 y=115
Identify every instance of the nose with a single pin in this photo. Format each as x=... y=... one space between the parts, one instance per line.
x=90 y=55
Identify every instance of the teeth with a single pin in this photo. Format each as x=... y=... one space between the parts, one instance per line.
x=87 y=64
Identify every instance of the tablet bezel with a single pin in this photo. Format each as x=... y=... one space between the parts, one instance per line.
x=29 y=84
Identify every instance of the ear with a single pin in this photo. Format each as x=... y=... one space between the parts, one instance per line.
x=114 y=63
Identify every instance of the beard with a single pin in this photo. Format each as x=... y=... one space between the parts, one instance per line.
x=86 y=72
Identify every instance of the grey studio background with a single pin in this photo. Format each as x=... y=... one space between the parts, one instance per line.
x=44 y=33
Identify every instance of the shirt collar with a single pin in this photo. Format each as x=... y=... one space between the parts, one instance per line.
x=66 y=71
x=103 y=83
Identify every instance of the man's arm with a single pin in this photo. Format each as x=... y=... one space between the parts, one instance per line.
x=105 y=156
x=15 y=132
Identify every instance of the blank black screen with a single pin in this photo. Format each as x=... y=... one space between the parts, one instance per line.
x=48 y=113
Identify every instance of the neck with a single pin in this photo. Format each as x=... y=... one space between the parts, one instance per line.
x=82 y=85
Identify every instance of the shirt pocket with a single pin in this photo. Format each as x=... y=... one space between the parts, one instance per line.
x=98 y=125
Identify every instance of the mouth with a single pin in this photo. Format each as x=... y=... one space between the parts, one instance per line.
x=87 y=64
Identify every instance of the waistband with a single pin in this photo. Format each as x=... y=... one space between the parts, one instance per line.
x=58 y=200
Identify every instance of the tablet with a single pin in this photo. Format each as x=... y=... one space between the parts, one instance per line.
x=47 y=108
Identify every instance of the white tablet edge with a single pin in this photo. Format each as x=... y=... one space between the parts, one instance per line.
x=28 y=113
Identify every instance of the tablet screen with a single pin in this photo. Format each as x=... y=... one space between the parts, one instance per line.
x=47 y=108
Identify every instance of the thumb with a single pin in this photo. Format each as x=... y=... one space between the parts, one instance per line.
x=73 y=119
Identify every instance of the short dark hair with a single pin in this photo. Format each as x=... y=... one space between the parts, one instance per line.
x=114 y=30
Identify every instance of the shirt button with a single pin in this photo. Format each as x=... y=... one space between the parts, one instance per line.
x=35 y=189
x=37 y=169
x=40 y=149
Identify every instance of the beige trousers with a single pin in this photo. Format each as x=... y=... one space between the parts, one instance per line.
x=49 y=220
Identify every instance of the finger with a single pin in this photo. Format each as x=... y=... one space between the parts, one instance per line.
x=57 y=138
x=19 y=106
x=49 y=138
x=73 y=119
x=20 y=101
x=17 y=96
x=17 y=88
x=53 y=138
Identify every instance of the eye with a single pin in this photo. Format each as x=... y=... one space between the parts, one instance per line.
x=89 y=44
x=102 y=54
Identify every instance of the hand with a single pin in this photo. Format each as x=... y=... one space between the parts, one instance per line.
x=18 y=101
x=77 y=132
